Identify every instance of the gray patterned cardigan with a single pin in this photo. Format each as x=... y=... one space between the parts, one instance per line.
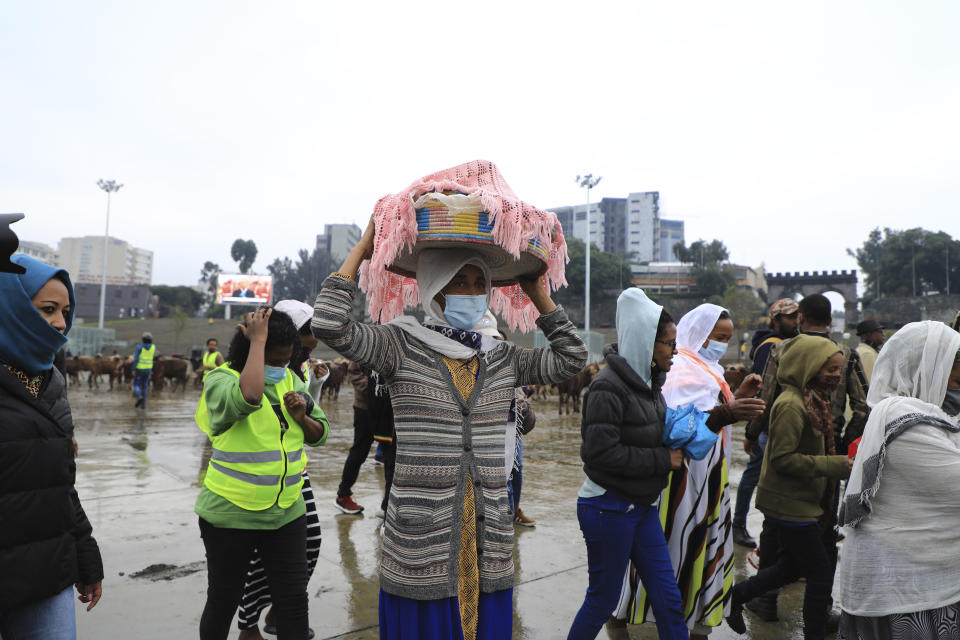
x=441 y=442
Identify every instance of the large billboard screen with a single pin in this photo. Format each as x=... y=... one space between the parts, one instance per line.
x=238 y=288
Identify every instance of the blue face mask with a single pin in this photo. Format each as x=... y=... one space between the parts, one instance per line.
x=273 y=375
x=464 y=312
x=714 y=350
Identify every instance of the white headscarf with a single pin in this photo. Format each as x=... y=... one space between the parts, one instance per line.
x=435 y=269
x=902 y=532
x=693 y=378
x=637 y=319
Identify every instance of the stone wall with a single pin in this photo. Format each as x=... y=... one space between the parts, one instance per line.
x=896 y=312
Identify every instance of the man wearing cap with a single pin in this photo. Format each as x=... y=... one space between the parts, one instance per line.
x=783 y=325
x=143 y=368
x=871 y=337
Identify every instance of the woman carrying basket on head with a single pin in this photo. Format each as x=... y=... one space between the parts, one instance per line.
x=447 y=560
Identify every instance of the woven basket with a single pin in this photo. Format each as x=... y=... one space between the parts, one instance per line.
x=439 y=228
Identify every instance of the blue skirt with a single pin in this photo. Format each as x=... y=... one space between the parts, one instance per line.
x=407 y=619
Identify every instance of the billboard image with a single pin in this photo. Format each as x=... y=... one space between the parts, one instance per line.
x=238 y=288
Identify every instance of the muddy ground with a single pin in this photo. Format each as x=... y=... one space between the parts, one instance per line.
x=137 y=478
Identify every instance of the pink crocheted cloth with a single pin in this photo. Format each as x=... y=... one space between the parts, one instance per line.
x=514 y=223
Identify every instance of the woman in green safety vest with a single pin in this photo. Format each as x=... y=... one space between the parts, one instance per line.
x=255 y=412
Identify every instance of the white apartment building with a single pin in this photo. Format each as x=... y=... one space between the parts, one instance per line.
x=40 y=251
x=83 y=259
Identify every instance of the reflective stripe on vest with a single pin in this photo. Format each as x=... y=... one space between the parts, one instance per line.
x=254 y=463
x=146 y=357
x=210 y=360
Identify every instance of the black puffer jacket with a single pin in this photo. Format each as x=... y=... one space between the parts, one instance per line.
x=622 y=429
x=45 y=539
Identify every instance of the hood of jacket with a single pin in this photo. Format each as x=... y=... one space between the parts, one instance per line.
x=626 y=373
x=802 y=358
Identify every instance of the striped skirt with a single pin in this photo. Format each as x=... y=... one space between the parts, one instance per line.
x=256 y=593
x=934 y=624
x=697 y=522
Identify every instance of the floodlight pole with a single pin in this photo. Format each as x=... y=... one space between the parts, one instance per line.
x=110 y=186
x=589 y=182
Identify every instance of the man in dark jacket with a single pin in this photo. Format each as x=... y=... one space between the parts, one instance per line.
x=783 y=325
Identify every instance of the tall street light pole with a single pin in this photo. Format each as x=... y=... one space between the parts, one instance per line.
x=589 y=182
x=110 y=186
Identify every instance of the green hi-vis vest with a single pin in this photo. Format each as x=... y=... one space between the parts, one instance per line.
x=146 y=357
x=210 y=360
x=255 y=464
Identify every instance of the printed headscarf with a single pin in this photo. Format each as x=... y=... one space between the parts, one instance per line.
x=27 y=341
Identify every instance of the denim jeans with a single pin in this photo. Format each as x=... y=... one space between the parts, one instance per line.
x=617 y=531
x=800 y=555
x=52 y=618
x=748 y=482
x=141 y=383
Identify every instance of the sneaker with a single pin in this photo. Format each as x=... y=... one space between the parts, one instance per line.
x=521 y=519
x=742 y=537
x=764 y=607
x=754 y=558
x=381 y=514
x=377 y=460
x=348 y=506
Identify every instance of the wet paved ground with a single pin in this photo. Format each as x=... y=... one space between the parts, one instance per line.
x=137 y=478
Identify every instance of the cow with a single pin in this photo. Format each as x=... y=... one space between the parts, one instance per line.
x=97 y=365
x=338 y=371
x=170 y=368
x=572 y=388
x=540 y=392
x=72 y=369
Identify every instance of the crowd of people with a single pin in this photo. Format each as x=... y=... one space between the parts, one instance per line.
x=858 y=443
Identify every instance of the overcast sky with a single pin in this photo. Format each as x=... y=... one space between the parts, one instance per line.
x=787 y=130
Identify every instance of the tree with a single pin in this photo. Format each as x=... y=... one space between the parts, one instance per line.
x=209 y=274
x=300 y=280
x=709 y=273
x=180 y=322
x=911 y=262
x=607 y=274
x=187 y=299
x=713 y=280
x=702 y=253
x=244 y=253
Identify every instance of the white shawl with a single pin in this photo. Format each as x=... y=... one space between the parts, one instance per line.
x=901 y=511
x=693 y=379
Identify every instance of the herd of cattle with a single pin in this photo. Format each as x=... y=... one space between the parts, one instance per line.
x=179 y=371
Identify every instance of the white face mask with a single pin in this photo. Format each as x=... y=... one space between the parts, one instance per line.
x=464 y=312
x=714 y=350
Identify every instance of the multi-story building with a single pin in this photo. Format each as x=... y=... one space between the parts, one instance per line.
x=83 y=259
x=338 y=239
x=40 y=251
x=626 y=226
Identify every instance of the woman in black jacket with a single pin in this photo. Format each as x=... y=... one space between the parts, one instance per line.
x=46 y=547
x=627 y=468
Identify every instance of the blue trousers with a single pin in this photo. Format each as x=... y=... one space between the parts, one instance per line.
x=52 y=618
x=617 y=531
x=141 y=383
x=748 y=482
